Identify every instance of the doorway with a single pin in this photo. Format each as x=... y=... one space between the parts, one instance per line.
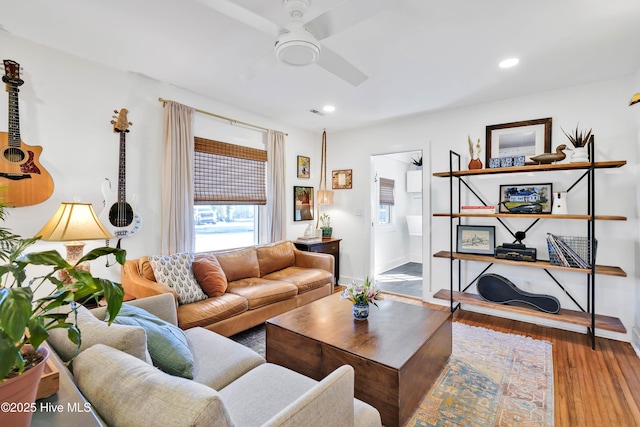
x=396 y=225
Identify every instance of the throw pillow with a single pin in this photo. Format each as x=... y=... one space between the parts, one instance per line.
x=175 y=271
x=209 y=274
x=167 y=344
x=130 y=339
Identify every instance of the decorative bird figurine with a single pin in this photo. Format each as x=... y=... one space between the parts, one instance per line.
x=546 y=158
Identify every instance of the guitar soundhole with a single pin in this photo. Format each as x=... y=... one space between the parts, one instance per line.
x=14 y=155
x=121 y=214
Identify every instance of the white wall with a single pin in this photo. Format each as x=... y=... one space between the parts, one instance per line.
x=66 y=104
x=601 y=106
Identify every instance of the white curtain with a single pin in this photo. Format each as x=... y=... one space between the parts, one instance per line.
x=274 y=226
x=177 y=232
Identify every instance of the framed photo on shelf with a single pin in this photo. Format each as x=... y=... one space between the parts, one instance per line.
x=476 y=239
x=526 y=198
x=304 y=167
x=341 y=179
x=527 y=138
x=302 y=203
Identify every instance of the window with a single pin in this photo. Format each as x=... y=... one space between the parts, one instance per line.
x=229 y=187
x=386 y=200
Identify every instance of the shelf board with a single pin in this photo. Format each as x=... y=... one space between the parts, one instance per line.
x=541 y=216
x=569 y=316
x=535 y=168
x=600 y=269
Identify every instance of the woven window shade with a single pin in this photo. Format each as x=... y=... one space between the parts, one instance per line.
x=386 y=191
x=227 y=174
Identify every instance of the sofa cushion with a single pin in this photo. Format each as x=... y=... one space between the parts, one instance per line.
x=175 y=271
x=145 y=269
x=167 y=344
x=209 y=274
x=219 y=360
x=306 y=279
x=130 y=339
x=128 y=392
x=275 y=257
x=282 y=397
x=212 y=310
x=259 y=292
x=239 y=264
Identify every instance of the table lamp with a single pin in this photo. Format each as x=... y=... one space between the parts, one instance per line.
x=71 y=223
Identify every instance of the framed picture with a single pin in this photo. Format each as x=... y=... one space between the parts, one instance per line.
x=476 y=239
x=527 y=138
x=304 y=167
x=302 y=203
x=526 y=198
x=341 y=179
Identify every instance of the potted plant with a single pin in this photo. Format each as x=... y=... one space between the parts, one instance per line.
x=361 y=295
x=25 y=321
x=579 y=139
x=326 y=228
x=417 y=162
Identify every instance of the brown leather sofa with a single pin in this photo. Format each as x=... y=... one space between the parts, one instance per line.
x=262 y=281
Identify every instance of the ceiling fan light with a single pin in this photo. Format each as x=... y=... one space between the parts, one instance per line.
x=297 y=52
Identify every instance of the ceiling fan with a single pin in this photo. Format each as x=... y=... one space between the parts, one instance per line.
x=298 y=43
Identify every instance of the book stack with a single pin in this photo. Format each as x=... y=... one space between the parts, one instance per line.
x=309 y=239
x=569 y=251
x=480 y=209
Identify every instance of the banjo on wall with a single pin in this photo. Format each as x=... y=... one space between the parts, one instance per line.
x=119 y=215
x=26 y=181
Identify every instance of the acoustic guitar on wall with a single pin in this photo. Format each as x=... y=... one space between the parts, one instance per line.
x=119 y=215
x=23 y=180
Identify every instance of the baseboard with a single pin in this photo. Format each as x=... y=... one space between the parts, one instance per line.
x=635 y=340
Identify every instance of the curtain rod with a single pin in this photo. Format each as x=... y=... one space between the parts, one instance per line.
x=228 y=119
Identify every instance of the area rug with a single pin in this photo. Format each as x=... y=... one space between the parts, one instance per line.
x=491 y=379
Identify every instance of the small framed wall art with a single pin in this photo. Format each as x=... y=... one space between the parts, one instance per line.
x=526 y=198
x=304 y=167
x=341 y=179
x=302 y=203
x=476 y=239
x=527 y=138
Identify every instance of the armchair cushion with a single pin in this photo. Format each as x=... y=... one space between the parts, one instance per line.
x=175 y=271
x=167 y=344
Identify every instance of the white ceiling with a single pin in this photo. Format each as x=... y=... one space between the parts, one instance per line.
x=419 y=55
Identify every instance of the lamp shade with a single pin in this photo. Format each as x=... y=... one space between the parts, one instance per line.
x=325 y=197
x=74 y=221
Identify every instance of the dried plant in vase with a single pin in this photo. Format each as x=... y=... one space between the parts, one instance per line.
x=579 y=139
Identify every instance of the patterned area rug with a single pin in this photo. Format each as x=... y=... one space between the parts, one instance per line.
x=491 y=379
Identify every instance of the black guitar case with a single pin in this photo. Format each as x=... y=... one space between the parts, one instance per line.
x=496 y=288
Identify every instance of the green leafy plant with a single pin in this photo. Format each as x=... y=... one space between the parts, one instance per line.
x=362 y=293
x=579 y=138
x=325 y=219
x=417 y=162
x=25 y=320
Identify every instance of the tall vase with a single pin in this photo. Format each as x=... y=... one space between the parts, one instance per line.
x=360 y=311
x=20 y=391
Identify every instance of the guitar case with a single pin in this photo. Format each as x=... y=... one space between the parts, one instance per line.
x=495 y=288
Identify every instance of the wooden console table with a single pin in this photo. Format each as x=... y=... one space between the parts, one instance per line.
x=329 y=246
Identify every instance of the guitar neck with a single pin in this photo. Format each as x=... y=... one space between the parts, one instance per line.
x=122 y=196
x=14 y=116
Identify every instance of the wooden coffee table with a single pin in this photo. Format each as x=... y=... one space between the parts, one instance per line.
x=397 y=353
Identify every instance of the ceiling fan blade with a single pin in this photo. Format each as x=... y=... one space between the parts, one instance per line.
x=261 y=65
x=232 y=10
x=336 y=64
x=345 y=15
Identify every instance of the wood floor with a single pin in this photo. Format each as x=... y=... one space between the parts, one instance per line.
x=598 y=388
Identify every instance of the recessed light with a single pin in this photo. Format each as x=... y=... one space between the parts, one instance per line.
x=508 y=63
x=328 y=108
